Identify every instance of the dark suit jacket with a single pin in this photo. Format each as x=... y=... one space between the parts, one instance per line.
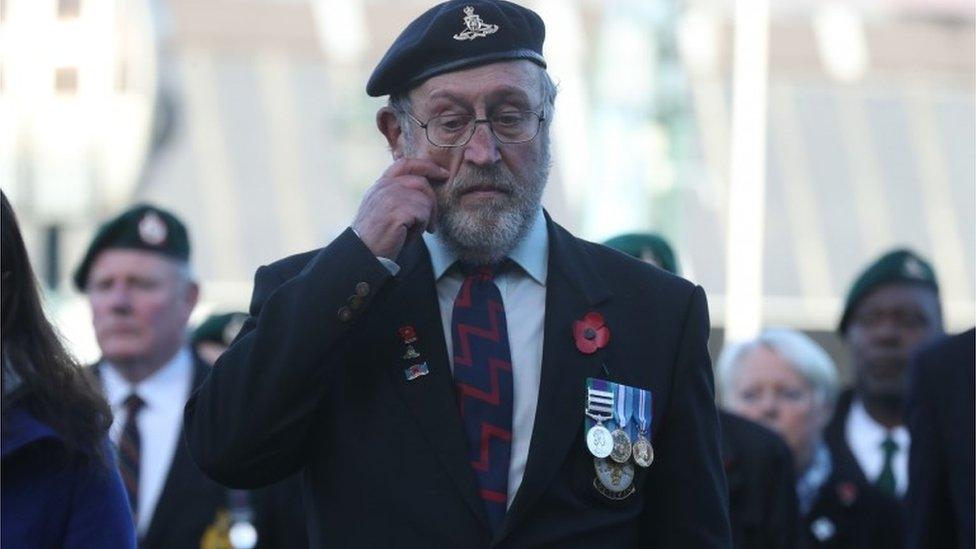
x=762 y=485
x=859 y=515
x=385 y=459
x=189 y=502
x=841 y=456
x=941 y=460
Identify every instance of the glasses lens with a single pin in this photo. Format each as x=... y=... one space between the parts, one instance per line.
x=450 y=129
x=515 y=126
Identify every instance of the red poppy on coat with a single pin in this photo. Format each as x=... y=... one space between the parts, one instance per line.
x=590 y=333
x=847 y=492
x=407 y=334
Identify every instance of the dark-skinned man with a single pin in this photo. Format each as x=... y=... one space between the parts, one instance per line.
x=461 y=387
x=892 y=310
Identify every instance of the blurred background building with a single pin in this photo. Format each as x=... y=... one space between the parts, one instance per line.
x=781 y=145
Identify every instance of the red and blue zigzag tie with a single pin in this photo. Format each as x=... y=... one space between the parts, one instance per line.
x=483 y=379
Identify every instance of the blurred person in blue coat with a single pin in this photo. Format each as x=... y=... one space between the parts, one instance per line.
x=60 y=486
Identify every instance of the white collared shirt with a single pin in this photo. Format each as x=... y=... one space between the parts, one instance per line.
x=524 y=297
x=160 y=421
x=864 y=437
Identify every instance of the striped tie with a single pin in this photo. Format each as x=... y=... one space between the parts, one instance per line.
x=483 y=379
x=130 y=446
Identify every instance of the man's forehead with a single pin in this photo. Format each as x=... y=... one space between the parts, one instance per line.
x=899 y=295
x=120 y=261
x=491 y=82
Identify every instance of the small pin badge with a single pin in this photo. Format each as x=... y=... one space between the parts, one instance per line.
x=415 y=371
x=407 y=334
x=152 y=229
x=411 y=353
x=476 y=28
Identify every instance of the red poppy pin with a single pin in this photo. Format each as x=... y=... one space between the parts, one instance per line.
x=847 y=492
x=590 y=333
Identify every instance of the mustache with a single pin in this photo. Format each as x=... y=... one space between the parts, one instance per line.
x=472 y=178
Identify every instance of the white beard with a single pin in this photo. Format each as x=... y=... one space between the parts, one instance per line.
x=485 y=233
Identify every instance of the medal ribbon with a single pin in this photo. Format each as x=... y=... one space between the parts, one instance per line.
x=622 y=413
x=643 y=410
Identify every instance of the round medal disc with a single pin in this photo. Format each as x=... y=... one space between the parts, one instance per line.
x=643 y=452
x=599 y=441
x=621 y=446
x=615 y=477
x=242 y=535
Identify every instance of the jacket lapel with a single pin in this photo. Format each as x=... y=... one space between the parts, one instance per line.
x=573 y=288
x=430 y=398
x=181 y=474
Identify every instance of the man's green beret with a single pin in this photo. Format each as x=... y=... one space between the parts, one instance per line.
x=219 y=328
x=646 y=246
x=895 y=267
x=143 y=227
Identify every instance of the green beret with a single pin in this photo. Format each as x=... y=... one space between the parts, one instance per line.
x=219 y=328
x=646 y=246
x=143 y=227
x=898 y=266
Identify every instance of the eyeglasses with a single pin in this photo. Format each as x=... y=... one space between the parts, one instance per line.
x=455 y=130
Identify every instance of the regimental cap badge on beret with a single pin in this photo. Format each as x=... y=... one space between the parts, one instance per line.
x=152 y=229
x=476 y=27
x=913 y=268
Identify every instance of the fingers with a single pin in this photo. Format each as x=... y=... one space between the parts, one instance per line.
x=417 y=166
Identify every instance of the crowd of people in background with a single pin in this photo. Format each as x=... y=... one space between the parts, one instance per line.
x=178 y=441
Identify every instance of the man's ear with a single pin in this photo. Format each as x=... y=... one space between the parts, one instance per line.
x=389 y=126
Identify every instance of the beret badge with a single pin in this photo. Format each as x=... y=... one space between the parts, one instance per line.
x=476 y=28
x=913 y=268
x=152 y=229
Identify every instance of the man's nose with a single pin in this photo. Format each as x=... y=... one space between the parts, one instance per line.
x=119 y=299
x=482 y=149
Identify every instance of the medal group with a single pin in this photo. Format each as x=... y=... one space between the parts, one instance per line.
x=618 y=427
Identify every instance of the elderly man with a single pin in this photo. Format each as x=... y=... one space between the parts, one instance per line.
x=137 y=276
x=444 y=371
x=892 y=311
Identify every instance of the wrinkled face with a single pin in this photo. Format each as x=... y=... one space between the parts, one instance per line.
x=495 y=189
x=140 y=306
x=769 y=391
x=886 y=328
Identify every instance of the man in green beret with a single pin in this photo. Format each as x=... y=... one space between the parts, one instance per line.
x=137 y=276
x=892 y=310
x=649 y=247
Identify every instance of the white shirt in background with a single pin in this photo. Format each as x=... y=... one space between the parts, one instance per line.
x=864 y=437
x=160 y=422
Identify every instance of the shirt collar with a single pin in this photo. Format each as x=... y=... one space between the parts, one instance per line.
x=531 y=253
x=873 y=433
x=167 y=385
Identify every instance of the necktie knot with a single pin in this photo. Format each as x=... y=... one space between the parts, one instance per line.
x=889 y=446
x=133 y=404
x=483 y=273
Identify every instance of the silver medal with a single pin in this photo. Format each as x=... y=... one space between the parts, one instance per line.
x=599 y=441
x=621 y=446
x=643 y=451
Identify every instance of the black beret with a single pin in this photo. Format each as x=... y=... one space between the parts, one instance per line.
x=142 y=227
x=219 y=328
x=457 y=35
x=895 y=267
x=646 y=246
